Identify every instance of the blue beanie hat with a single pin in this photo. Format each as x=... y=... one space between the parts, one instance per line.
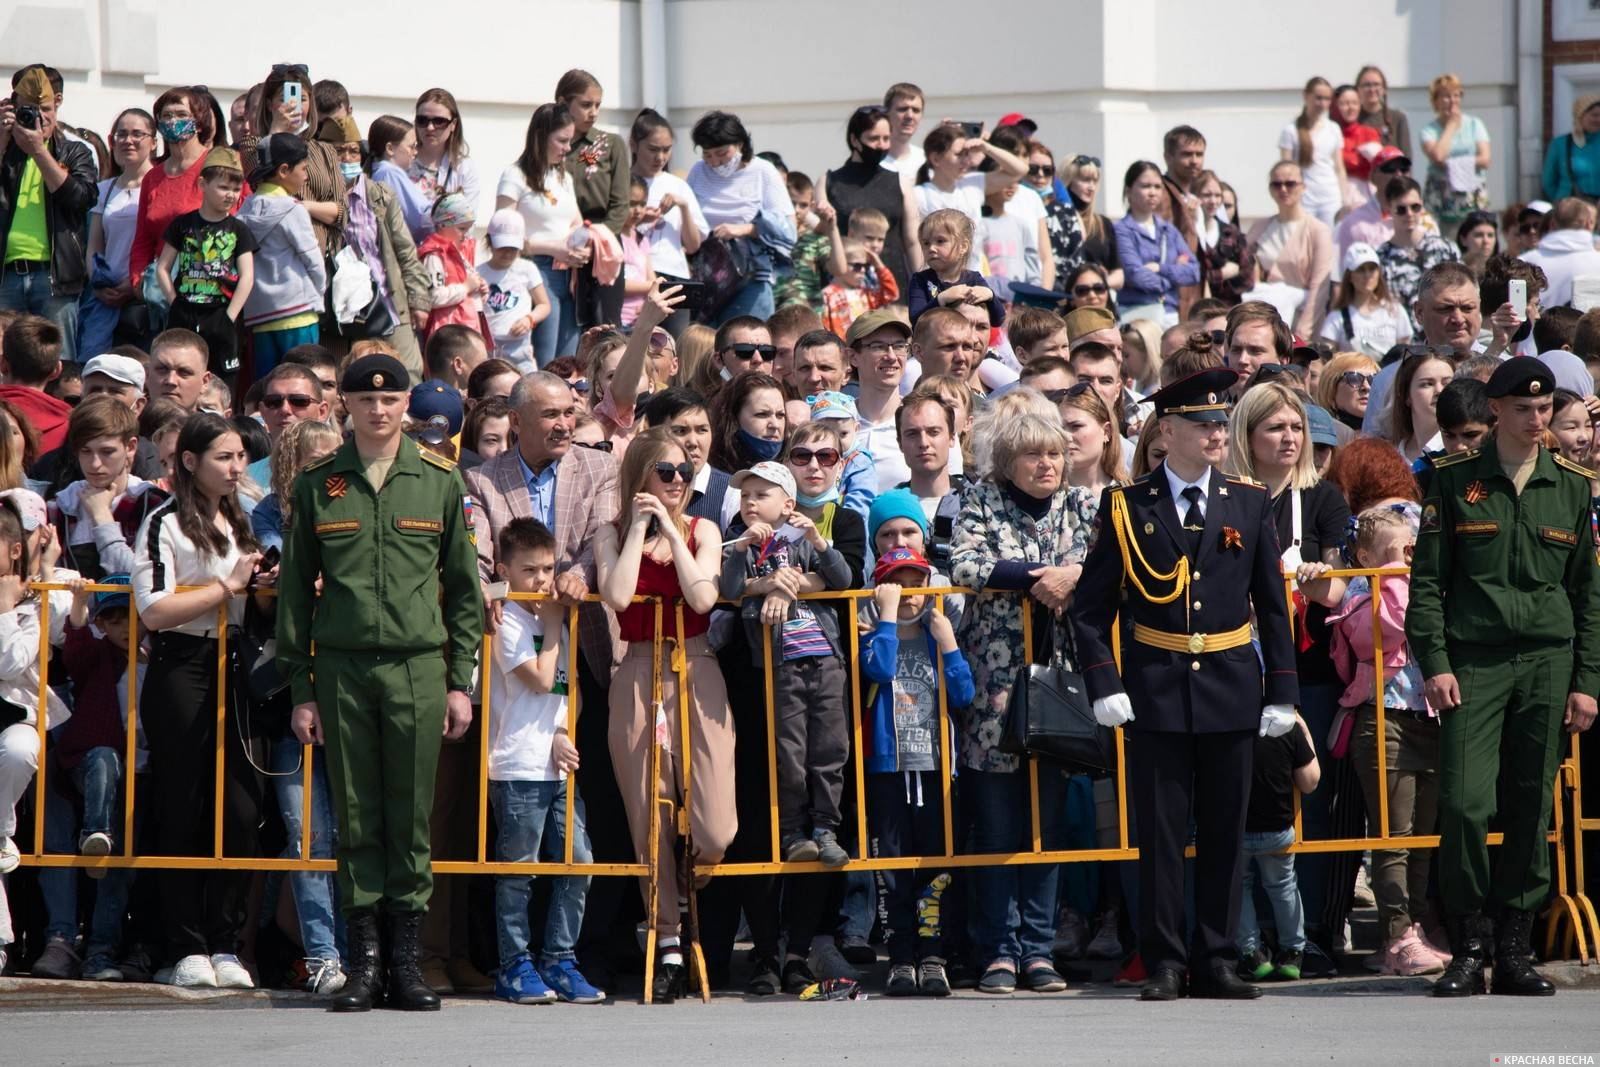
x=895 y=504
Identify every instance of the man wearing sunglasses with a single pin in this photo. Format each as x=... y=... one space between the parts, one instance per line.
x=743 y=344
x=1369 y=223
x=290 y=394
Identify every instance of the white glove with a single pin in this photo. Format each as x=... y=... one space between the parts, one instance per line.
x=1113 y=710
x=1277 y=720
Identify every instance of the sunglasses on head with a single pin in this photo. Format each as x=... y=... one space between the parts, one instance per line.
x=432 y=122
x=290 y=70
x=746 y=352
x=298 y=401
x=1086 y=161
x=684 y=472
x=1097 y=289
x=1041 y=170
x=1355 y=379
x=825 y=457
x=598 y=446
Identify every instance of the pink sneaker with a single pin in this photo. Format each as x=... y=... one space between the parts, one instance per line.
x=1431 y=943
x=1408 y=957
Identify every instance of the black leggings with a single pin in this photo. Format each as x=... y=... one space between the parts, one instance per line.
x=203 y=912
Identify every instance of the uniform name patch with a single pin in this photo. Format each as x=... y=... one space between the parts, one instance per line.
x=420 y=525
x=341 y=526
x=1554 y=533
x=1477 y=527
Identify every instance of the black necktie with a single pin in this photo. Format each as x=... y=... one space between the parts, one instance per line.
x=1194 y=522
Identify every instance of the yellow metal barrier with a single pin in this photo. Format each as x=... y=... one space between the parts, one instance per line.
x=1571 y=910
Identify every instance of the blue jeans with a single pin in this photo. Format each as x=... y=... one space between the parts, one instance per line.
x=1283 y=893
x=557 y=335
x=270 y=346
x=315 y=897
x=860 y=905
x=31 y=293
x=100 y=771
x=529 y=814
x=754 y=299
x=1013 y=914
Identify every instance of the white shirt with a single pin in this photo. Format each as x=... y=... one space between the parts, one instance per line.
x=1322 y=181
x=666 y=237
x=511 y=299
x=548 y=216
x=1178 y=485
x=1373 y=333
x=119 y=214
x=907 y=165
x=966 y=197
x=522 y=723
x=755 y=187
x=168 y=560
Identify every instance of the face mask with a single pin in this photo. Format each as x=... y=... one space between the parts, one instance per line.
x=872 y=157
x=760 y=447
x=178 y=130
x=728 y=169
x=1078 y=202
x=351 y=171
x=828 y=497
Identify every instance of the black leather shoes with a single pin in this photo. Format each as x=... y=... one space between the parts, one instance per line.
x=1220 y=983
x=363 y=988
x=1166 y=983
x=407 y=990
x=1513 y=959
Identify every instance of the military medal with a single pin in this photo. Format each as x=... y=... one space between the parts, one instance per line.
x=335 y=485
x=1476 y=492
x=1231 y=538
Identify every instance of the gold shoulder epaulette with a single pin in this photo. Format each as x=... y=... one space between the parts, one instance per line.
x=1440 y=462
x=1575 y=468
x=323 y=462
x=1239 y=479
x=430 y=456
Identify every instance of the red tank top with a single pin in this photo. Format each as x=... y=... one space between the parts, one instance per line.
x=638 y=621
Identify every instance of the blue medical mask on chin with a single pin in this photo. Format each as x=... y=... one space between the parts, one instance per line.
x=830 y=496
x=760 y=447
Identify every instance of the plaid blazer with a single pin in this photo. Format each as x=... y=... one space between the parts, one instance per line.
x=586 y=499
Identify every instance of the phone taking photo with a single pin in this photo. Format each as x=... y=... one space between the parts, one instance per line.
x=291 y=91
x=1517 y=296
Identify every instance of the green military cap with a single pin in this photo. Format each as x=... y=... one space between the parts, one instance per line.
x=875 y=320
x=1520 y=376
x=341 y=129
x=34 y=87
x=377 y=373
x=1083 y=321
x=223 y=158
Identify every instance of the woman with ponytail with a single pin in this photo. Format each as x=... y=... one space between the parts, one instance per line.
x=1314 y=141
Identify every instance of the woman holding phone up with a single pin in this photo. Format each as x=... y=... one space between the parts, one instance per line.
x=289 y=106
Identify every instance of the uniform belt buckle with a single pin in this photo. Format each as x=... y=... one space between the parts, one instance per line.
x=1197 y=643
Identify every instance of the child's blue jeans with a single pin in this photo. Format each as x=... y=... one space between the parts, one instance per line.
x=1276 y=876
x=531 y=814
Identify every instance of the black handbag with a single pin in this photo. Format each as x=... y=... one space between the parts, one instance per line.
x=1050 y=715
x=724 y=267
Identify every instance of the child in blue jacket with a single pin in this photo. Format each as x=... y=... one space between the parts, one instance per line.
x=905 y=656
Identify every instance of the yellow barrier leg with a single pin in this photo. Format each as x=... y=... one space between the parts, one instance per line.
x=653 y=848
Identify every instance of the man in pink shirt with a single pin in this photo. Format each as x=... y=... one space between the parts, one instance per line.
x=1369 y=223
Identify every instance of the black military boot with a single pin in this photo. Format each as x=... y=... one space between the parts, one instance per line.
x=407 y=990
x=363 y=988
x=1469 y=947
x=1513 y=959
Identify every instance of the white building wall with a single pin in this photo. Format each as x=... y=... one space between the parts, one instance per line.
x=1103 y=77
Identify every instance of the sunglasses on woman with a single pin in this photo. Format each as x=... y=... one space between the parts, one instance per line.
x=1283 y=185
x=274 y=401
x=290 y=70
x=432 y=122
x=1086 y=161
x=1041 y=170
x=827 y=458
x=1097 y=289
x=1356 y=380
x=598 y=446
x=684 y=472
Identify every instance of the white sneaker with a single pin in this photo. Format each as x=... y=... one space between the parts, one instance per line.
x=230 y=973
x=10 y=858
x=193 y=972
x=324 y=977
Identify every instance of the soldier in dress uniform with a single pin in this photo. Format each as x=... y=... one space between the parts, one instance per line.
x=397 y=629
x=1194 y=552
x=1504 y=621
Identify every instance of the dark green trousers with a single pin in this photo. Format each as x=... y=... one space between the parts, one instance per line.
x=382 y=722
x=1506 y=733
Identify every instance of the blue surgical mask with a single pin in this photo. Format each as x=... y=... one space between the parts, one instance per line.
x=351 y=171
x=831 y=496
x=760 y=447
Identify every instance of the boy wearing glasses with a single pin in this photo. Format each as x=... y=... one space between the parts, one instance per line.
x=864 y=285
x=214 y=253
x=780 y=555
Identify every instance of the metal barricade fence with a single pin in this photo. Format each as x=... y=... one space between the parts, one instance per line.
x=1571 y=912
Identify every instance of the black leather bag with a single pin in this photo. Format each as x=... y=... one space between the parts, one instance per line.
x=1051 y=715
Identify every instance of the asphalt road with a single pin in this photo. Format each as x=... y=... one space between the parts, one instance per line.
x=1352 y=1023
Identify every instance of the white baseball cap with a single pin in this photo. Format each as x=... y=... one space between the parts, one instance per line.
x=768 y=470
x=124 y=369
x=1359 y=255
x=506 y=229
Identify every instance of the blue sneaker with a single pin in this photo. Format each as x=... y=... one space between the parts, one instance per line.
x=569 y=983
x=520 y=984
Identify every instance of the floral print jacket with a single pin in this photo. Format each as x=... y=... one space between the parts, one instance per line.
x=991 y=528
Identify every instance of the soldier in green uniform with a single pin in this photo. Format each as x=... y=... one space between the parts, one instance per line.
x=1505 y=624
x=396 y=632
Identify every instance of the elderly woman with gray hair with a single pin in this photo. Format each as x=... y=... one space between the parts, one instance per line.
x=1021 y=530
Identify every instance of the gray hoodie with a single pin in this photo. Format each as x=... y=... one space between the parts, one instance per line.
x=290 y=275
